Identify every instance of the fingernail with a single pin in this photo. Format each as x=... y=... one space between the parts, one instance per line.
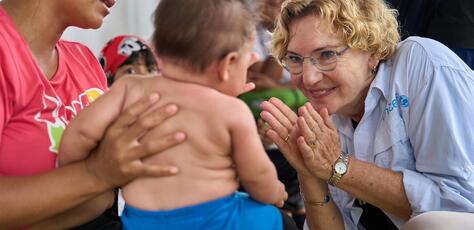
x=174 y=170
x=171 y=109
x=179 y=136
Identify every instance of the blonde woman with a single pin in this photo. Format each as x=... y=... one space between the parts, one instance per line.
x=388 y=131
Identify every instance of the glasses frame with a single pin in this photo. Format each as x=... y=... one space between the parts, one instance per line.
x=314 y=61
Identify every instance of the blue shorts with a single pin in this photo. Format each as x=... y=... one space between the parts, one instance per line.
x=236 y=211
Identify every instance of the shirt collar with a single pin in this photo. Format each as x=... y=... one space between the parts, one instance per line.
x=382 y=80
x=343 y=125
x=380 y=86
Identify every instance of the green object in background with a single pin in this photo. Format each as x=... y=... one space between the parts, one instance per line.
x=291 y=97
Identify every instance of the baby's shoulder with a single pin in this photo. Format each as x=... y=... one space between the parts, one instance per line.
x=219 y=104
x=228 y=103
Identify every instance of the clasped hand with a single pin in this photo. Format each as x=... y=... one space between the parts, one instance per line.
x=308 y=140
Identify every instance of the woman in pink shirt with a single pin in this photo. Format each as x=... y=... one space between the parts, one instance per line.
x=44 y=83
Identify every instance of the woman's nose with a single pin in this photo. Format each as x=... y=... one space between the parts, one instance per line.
x=310 y=74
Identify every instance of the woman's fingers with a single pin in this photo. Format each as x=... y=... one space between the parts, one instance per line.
x=327 y=119
x=304 y=149
x=276 y=125
x=132 y=113
x=290 y=152
x=309 y=111
x=118 y=159
x=157 y=170
x=313 y=160
x=138 y=168
x=307 y=152
x=150 y=120
x=279 y=116
x=278 y=140
x=284 y=109
x=318 y=150
x=280 y=111
x=263 y=127
x=152 y=146
x=309 y=128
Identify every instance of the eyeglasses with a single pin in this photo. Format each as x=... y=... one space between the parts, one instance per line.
x=325 y=60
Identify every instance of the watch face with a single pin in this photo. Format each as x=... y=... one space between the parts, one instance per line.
x=340 y=168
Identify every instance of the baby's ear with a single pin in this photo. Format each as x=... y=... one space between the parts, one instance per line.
x=225 y=65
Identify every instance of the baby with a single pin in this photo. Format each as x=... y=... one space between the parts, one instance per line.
x=204 y=49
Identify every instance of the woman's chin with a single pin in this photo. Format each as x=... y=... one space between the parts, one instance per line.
x=93 y=24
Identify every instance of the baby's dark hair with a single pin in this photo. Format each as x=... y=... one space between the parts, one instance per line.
x=196 y=33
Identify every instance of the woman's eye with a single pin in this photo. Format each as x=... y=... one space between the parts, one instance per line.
x=130 y=71
x=295 y=59
x=327 y=55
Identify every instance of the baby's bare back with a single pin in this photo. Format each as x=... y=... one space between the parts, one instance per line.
x=204 y=160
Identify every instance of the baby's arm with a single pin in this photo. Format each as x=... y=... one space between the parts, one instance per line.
x=255 y=170
x=86 y=129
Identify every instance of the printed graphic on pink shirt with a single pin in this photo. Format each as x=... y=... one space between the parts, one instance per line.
x=56 y=121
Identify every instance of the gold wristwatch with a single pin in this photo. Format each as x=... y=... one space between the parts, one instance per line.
x=339 y=168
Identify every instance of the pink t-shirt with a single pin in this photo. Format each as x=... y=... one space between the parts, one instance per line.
x=34 y=111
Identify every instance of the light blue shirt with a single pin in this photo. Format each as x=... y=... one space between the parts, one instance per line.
x=418 y=120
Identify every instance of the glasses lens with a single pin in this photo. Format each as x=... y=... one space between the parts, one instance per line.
x=324 y=60
x=293 y=64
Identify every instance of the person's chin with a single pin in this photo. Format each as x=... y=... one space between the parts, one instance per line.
x=93 y=23
x=97 y=25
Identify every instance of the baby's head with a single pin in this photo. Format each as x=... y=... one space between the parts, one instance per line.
x=127 y=54
x=207 y=36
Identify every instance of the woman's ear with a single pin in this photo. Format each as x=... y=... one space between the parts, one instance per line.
x=374 y=60
x=225 y=65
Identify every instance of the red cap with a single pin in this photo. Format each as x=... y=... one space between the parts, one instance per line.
x=117 y=51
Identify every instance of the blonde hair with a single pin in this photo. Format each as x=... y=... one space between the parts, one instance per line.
x=368 y=25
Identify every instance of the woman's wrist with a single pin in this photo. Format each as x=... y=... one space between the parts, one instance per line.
x=98 y=183
x=320 y=203
x=314 y=191
x=312 y=181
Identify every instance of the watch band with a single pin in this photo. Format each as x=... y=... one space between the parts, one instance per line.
x=335 y=177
